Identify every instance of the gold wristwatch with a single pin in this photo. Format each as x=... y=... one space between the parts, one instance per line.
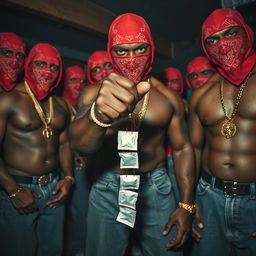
x=191 y=208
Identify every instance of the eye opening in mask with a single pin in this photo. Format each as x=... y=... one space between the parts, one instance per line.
x=73 y=79
x=11 y=53
x=44 y=64
x=107 y=65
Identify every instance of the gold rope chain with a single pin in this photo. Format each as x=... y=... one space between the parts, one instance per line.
x=47 y=132
x=237 y=100
x=72 y=110
x=136 y=119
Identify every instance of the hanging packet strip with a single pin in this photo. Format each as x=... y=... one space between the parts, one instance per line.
x=126 y=216
x=129 y=160
x=129 y=181
x=127 y=140
x=127 y=198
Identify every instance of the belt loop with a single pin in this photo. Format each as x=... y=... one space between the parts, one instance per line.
x=252 y=190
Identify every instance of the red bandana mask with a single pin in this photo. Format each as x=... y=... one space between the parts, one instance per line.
x=10 y=67
x=198 y=64
x=98 y=58
x=71 y=89
x=170 y=74
x=42 y=81
x=234 y=57
x=127 y=29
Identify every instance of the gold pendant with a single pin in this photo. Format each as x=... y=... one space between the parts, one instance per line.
x=228 y=129
x=47 y=132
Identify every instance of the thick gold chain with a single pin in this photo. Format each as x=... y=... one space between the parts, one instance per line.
x=40 y=111
x=136 y=119
x=237 y=100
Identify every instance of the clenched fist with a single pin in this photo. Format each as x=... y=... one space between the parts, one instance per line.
x=118 y=97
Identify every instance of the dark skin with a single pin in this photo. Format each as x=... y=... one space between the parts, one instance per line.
x=228 y=159
x=10 y=53
x=21 y=138
x=115 y=97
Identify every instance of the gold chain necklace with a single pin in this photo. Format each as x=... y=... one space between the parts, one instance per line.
x=229 y=129
x=72 y=110
x=47 y=131
x=136 y=119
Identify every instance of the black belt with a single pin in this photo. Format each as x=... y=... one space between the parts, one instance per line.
x=41 y=180
x=231 y=188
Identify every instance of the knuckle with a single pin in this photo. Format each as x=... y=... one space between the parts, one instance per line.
x=130 y=98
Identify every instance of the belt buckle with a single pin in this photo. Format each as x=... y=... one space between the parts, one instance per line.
x=43 y=180
x=230 y=188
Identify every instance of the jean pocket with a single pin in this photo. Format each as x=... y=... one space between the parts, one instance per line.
x=163 y=184
x=202 y=187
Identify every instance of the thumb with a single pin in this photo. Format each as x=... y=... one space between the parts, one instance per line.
x=142 y=88
x=198 y=218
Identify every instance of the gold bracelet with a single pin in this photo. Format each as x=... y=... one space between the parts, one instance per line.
x=13 y=195
x=188 y=207
x=71 y=178
x=94 y=118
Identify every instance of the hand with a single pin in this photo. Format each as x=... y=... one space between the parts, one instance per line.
x=182 y=219
x=254 y=234
x=24 y=201
x=118 y=97
x=63 y=186
x=195 y=234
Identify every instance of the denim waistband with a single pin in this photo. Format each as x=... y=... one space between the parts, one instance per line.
x=38 y=180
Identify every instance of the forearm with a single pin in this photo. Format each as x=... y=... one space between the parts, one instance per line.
x=184 y=166
x=198 y=154
x=7 y=183
x=86 y=136
x=66 y=159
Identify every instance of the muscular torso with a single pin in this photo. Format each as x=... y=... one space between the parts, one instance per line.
x=233 y=158
x=152 y=134
x=25 y=149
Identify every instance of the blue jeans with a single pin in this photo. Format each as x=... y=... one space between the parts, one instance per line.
x=106 y=236
x=171 y=173
x=78 y=206
x=229 y=222
x=35 y=234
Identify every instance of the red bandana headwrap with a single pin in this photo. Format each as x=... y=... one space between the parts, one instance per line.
x=10 y=67
x=96 y=59
x=198 y=64
x=42 y=81
x=235 y=56
x=71 y=89
x=127 y=29
x=173 y=73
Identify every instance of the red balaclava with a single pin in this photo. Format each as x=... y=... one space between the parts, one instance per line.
x=173 y=73
x=96 y=59
x=10 y=67
x=198 y=64
x=42 y=81
x=130 y=28
x=234 y=57
x=71 y=90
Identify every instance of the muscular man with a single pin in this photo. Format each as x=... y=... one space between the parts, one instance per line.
x=98 y=66
x=74 y=81
x=12 y=59
x=124 y=101
x=223 y=114
x=199 y=71
x=35 y=145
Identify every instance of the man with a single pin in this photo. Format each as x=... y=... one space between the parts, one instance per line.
x=34 y=146
x=12 y=59
x=172 y=78
x=74 y=81
x=199 y=71
x=222 y=132
x=98 y=66
x=120 y=105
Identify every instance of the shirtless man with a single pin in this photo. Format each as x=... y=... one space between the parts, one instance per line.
x=223 y=114
x=34 y=146
x=153 y=113
x=74 y=81
x=12 y=59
